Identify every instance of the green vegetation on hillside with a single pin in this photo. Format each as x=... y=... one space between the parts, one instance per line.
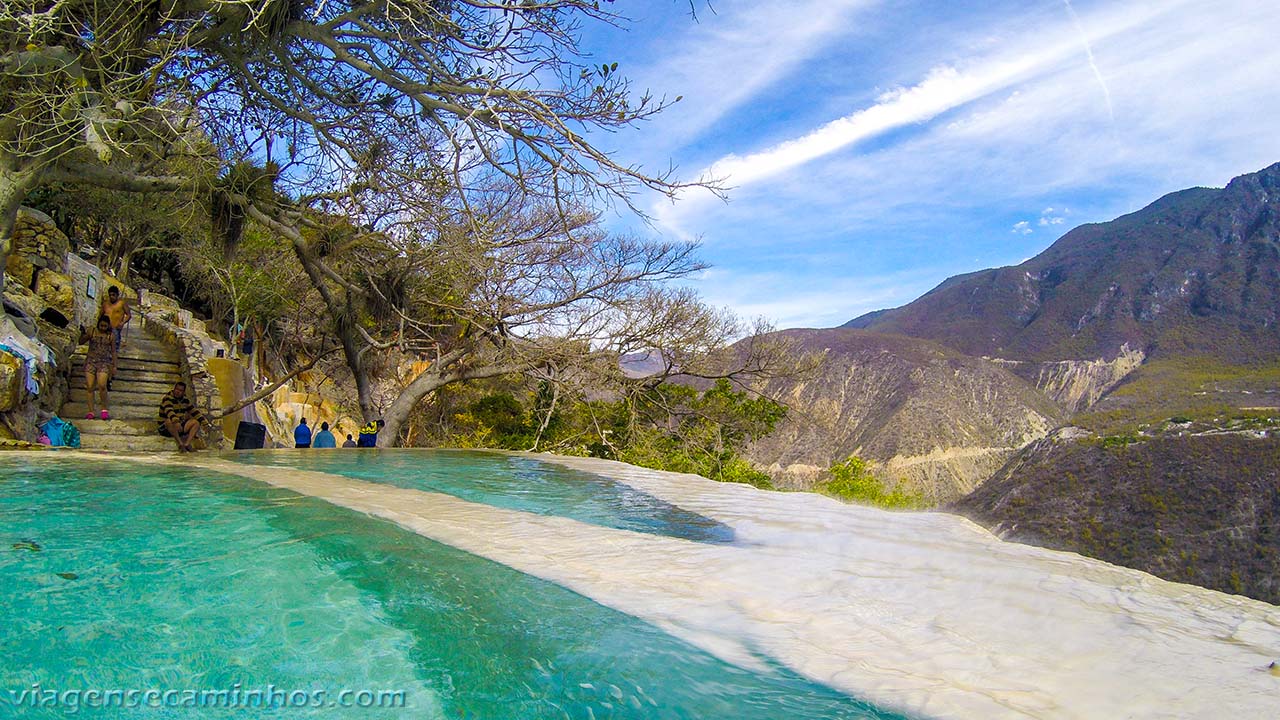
x=1198 y=509
x=853 y=480
x=1184 y=390
x=668 y=427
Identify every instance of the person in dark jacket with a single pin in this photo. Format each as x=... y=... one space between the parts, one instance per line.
x=324 y=439
x=302 y=435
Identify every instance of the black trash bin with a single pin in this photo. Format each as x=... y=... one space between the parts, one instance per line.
x=250 y=436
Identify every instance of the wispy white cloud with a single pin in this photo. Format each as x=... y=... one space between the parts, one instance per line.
x=1093 y=63
x=945 y=88
x=1022 y=227
x=1048 y=218
x=733 y=54
x=1025 y=130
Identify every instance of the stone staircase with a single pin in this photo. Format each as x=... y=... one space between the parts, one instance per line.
x=146 y=369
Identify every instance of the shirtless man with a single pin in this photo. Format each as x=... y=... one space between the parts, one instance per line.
x=116 y=308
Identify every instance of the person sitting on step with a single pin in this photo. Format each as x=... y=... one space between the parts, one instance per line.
x=179 y=419
x=99 y=363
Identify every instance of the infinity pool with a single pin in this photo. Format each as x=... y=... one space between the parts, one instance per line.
x=128 y=577
x=509 y=481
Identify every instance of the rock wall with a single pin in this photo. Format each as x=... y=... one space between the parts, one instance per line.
x=12 y=390
x=930 y=419
x=37 y=244
x=1076 y=385
x=38 y=286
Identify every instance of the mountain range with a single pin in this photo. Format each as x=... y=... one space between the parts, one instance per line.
x=1146 y=349
x=1196 y=272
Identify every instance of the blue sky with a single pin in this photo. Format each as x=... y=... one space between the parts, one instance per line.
x=876 y=148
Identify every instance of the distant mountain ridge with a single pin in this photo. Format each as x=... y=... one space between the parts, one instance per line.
x=930 y=390
x=1196 y=272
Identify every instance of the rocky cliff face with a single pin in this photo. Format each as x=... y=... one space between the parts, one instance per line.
x=1202 y=509
x=931 y=418
x=1077 y=385
x=38 y=288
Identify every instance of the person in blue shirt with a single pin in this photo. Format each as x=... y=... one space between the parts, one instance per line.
x=324 y=438
x=302 y=435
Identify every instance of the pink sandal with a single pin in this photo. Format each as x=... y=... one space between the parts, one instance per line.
x=88 y=416
x=105 y=415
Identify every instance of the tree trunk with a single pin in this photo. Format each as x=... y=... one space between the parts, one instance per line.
x=343 y=326
x=125 y=260
x=264 y=392
x=343 y=323
x=398 y=414
x=13 y=190
x=546 y=419
x=359 y=371
x=426 y=383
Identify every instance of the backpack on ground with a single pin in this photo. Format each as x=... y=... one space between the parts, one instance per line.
x=61 y=433
x=70 y=435
x=53 y=428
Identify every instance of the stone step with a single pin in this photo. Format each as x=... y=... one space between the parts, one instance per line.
x=127 y=386
x=161 y=378
x=141 y=338
x=148 y=351
x=118 y=410
x=133 y=337
x=131 y=353
x=120 y=395
x=128 y=443
x=77 y=365
x=114 y=427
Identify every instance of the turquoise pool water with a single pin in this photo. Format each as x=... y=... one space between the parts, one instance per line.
x=509 y=481
x=124 y=577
